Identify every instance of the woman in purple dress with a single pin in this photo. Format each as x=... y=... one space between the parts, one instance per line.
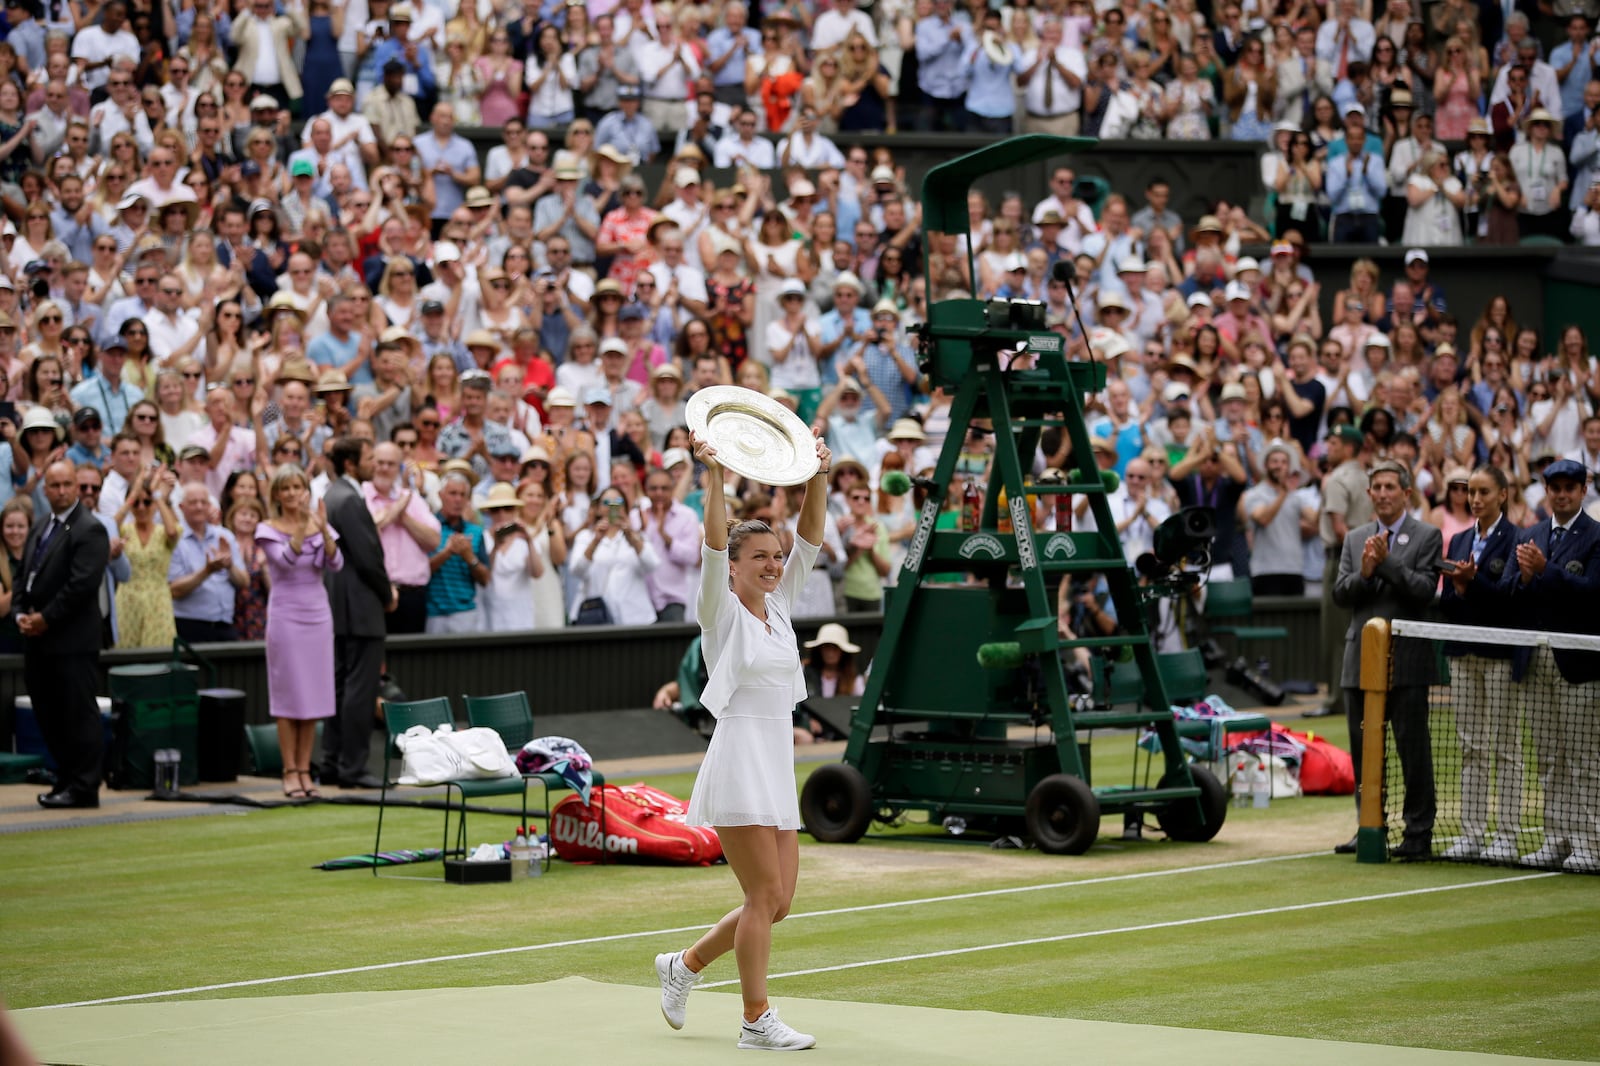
x=299 y=546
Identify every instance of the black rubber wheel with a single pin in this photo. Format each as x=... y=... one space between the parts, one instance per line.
x=1062 y=815
x=836 y=804
x=1181 y=819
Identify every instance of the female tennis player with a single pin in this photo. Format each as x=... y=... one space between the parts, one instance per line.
x=745 y=788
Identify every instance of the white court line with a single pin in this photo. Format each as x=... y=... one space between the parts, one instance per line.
x=700 y=927
x=1176 y=923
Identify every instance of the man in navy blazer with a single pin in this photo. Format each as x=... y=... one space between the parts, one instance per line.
x=1483 y=695
x=1553 y=588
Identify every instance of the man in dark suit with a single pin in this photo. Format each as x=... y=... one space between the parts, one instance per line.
x=63 y=565
x=1388 y=569
x=360 y=594
x=1552 y=587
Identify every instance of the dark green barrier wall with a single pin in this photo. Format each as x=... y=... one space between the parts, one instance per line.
x=576 y=671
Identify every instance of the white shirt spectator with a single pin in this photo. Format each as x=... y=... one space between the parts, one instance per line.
x=350 y=153
x=812 y=153
x=167 y=334
x=832 y=28
x=757 y=151
x=1064 y=99
x=95 y=45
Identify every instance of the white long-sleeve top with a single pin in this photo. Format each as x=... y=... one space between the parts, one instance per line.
x=616 y=575
x=732 y=637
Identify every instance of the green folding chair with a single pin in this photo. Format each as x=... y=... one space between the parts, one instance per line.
x=1233 y=599
x=1183 y=673
x=401 y=715
x=509 y=715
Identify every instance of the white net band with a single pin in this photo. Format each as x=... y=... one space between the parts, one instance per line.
x=1526 y=638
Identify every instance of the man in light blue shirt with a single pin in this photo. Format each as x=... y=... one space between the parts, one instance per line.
x=991 y=90
x=105 y=391
x=1576 y=60
x=205 y=573
x=942 y=41
x=728 y=48
x=626 y=130
x=841 y=328
x=452 y=159
x=1356 y=184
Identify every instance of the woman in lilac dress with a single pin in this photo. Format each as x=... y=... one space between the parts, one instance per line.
x=299 y=547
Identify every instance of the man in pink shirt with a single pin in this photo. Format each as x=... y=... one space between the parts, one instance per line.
x=231 y=448
x=408 y=531
x=674 y=531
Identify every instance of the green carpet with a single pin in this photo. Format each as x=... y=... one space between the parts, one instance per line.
x=577 y=1020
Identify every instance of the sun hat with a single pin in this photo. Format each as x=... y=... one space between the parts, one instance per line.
x=835 y=634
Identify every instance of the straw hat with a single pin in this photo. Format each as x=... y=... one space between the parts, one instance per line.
x=501 y=495
x=482 y=338
x=835 y=634
x=333 y=381
x=41 y=418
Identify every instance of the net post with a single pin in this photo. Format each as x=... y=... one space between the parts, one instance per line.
x=1371 y=842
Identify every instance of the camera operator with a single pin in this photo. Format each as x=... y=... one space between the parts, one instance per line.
x=1212 y=476
x=885 y=357
x=1083 y=609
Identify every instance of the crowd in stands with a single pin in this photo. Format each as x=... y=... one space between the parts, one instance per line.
x=237 y=232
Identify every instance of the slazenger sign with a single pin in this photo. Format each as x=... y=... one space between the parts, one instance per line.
x=569 y=830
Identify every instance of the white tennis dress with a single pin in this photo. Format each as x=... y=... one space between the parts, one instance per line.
x=754 y=682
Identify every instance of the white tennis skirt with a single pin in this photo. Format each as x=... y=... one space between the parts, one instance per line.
x=748 y=774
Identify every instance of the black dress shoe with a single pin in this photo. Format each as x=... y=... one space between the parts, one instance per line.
x=1348 y=847
x=1414 y=849
x=68 y=799
x=364 y=781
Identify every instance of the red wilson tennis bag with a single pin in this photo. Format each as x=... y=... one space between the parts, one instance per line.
x=642 y=824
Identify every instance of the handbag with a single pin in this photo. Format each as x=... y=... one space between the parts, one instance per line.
x=593 y=612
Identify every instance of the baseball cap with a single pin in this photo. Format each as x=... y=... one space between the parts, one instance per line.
x=193 y=451
x=597 y=394
x=1233 y=391
x=1416 y=255
x=1175 y=391
x=791 y=287
x=628 y=92
x=611 y=345
x=672 y=457
x=432 y=307
x=1238 y=290
x=1347 y=433
x=560 y=397
x=263 y=102
x=1198 y=299
x=882 y=175
x=302 y=168
x=341 y=87
x=631 y=313
x=446 y=252
x=1353 y=108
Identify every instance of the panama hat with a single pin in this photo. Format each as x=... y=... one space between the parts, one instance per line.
x=835 y=634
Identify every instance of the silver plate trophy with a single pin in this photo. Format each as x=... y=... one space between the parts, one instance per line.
x=755 y=436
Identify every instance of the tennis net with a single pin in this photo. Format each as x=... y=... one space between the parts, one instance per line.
x=1501 y=762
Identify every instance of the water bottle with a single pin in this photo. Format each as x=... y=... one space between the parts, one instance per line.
x=536 y=852
x=521 y=854
x=1241 y=786
x=167 y=771
x=1261 y=784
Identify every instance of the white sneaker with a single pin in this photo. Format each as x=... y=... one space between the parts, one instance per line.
x=1502 y=848
x=1549 y=857
x=769 y=1033
x=1581 y=861
x=1463 y=848
x=676 y=981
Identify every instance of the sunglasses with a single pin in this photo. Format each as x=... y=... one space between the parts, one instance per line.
x=48 y=319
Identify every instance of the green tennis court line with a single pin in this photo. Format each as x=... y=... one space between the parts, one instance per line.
x=575 y=1019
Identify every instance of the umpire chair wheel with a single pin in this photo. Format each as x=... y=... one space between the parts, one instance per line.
x=836 y=804
x=1062 y=815
x=1182 y=820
